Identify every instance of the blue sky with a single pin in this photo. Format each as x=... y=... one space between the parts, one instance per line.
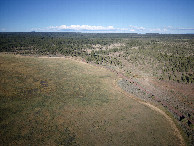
x=139 y=16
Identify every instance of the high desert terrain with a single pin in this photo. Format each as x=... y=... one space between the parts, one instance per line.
x=96 y=89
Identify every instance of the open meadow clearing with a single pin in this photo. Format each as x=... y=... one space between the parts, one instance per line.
x=59 y=101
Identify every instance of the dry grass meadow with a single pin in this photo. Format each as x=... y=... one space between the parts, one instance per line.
x=58 y=101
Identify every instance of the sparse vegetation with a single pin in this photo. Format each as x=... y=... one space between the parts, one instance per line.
x=167 y=57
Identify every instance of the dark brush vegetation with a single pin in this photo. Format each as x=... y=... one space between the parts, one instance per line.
x=167 y=57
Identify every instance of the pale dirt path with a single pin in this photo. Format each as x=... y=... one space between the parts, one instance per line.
x=176 y=131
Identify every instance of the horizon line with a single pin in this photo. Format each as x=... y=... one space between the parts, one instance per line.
x=86 y=32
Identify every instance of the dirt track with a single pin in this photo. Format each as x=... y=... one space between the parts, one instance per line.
x=176 y=131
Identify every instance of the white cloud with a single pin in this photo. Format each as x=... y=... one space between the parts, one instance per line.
x=169 y=29
x=132 y=30
x=80 y=28
x=160 y=30
x=88 y=28
x=136 y=28
x=123 y=29
x=155 y=30
x=185 y=28
x=111 y=29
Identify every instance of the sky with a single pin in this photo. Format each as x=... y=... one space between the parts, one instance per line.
x=125 y=16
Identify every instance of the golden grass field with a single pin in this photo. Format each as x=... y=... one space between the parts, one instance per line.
x=58 y=101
